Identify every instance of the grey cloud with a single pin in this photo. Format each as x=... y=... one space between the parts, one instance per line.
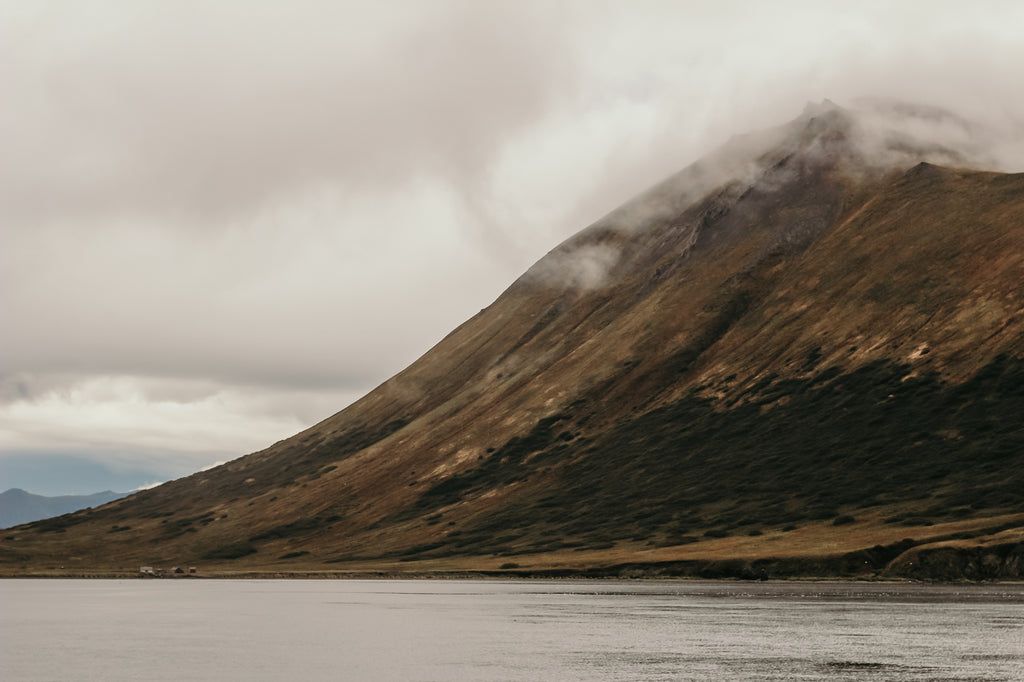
x=206 y=115
x=137 y=136
x=896 y=133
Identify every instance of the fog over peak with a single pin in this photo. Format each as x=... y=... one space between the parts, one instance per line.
x=872 y=137
x=205 y=203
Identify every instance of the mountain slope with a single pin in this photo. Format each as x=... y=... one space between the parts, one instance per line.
x=808 y=344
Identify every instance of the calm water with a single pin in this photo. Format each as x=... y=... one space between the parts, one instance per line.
x=487 y=630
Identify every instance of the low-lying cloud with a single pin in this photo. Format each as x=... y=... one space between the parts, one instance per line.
x=583 y=268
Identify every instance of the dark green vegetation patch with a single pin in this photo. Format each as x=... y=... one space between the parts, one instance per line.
x=234 y=550
x=303 y=526
x=785 y=452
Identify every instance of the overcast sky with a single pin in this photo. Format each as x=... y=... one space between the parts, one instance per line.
x=224 y=221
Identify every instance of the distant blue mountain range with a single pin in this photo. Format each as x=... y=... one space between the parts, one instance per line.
x=18 y=506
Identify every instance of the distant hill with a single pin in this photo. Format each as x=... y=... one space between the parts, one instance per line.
x=803 y=356
x=18 y=507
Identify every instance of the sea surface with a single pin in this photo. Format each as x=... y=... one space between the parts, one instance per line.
x=227 y=630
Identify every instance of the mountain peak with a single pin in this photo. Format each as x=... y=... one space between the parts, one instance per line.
x=877 y=136
x=816 y=108
x=825 y=152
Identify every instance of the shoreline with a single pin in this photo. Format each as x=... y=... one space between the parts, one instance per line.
x=904 y=561
x=524 y=576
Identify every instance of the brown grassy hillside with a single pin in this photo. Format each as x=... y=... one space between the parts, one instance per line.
x=816 y=368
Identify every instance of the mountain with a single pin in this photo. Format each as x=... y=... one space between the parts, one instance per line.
x=18 y=507
x=802 y=355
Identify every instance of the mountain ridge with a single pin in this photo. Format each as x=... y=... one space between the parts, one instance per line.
x=19 y=506
x=794 y=331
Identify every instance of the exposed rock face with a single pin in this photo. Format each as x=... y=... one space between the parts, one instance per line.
x=815 y=322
